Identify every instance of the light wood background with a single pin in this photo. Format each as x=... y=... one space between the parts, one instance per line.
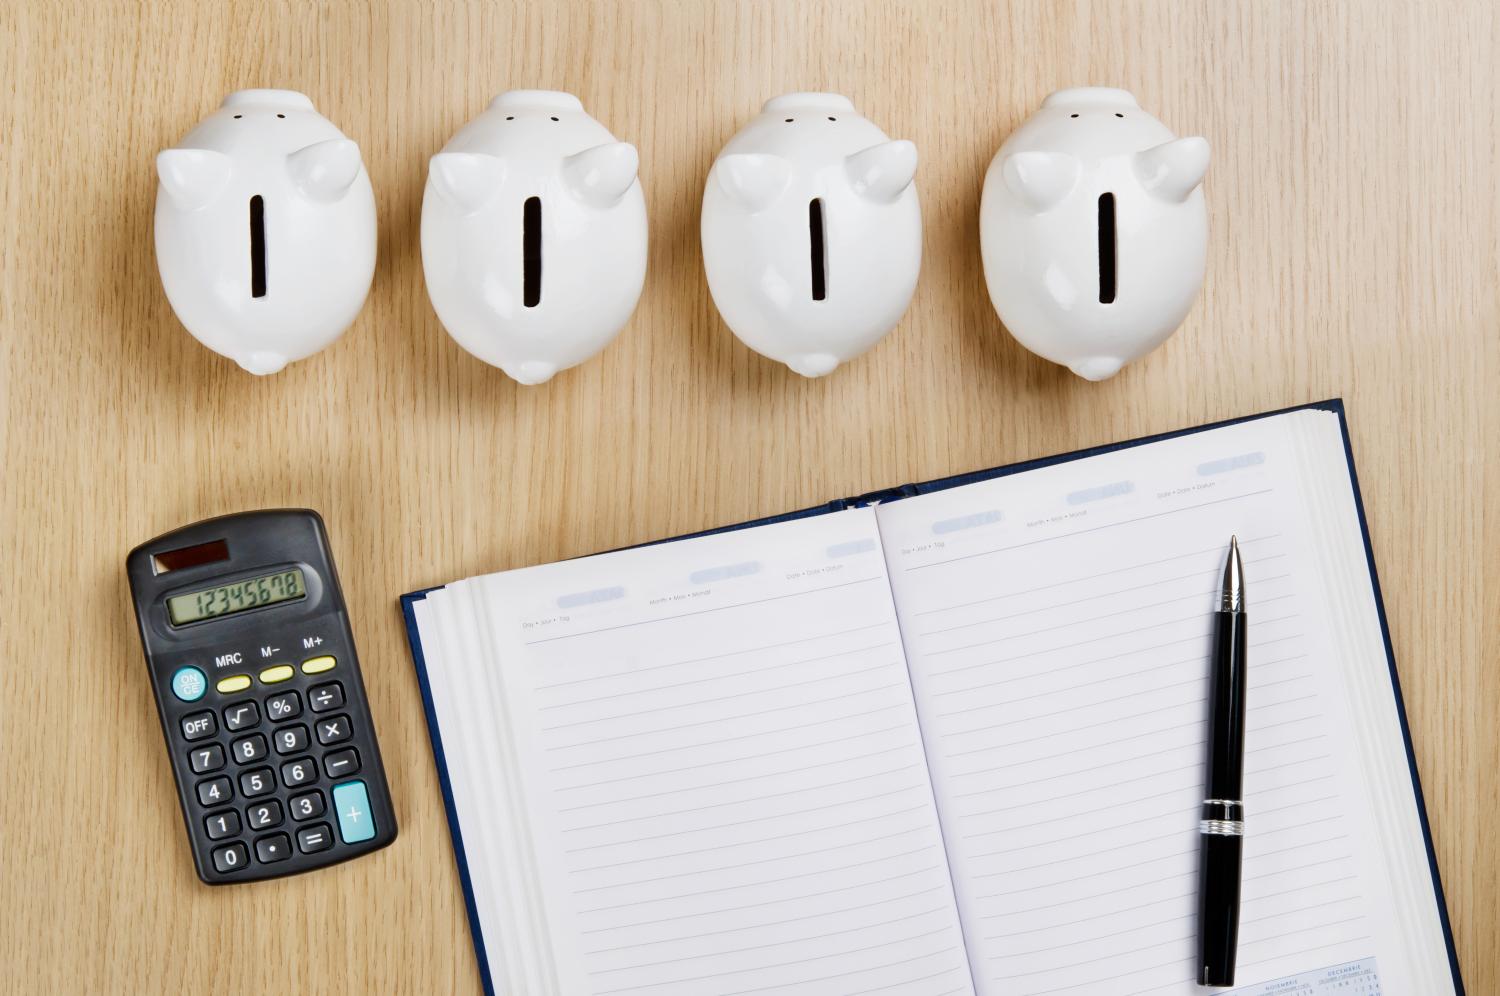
x=1354 y=252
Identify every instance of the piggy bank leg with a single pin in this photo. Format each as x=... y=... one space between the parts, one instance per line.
x=814 y=364
x=1097 y=367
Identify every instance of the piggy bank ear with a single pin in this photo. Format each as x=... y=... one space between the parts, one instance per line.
x=192 y=177
x=753 y=179
x=467 y=179
x=882 y=171
x=1174 y=169
x=601 y=175
x=323 y=171
x=1041 y=179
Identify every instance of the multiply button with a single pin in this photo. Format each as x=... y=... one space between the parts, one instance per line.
x=199 y=725
x=241 y=715
x=333 y=731
x=352 y=805
x=287 y=705
x=325 y=698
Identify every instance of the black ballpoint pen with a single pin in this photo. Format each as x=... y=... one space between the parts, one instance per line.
x=1222 y=827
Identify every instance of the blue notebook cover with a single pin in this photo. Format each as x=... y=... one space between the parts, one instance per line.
x=1335 y=405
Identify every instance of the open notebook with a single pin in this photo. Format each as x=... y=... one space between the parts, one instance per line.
x=947 y=743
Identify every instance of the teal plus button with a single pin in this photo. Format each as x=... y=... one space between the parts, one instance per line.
x=352 y=804
x=189 y=684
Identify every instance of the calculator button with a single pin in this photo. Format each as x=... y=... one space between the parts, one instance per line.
x=221 y=825
x=281 y=672
x=299 y=772
x=287 y=705
x=326 y=697
x=307 y=805
x=341 y=763
x=189 y=684
x=241 y=715
x=317 y=665
x=199 y=725
x=272 y=848
x=290 y=739
x=318 y=837
x=333 y=731
x=230 y=858
x=233 y=683
x=263 y=815
x=251 y=748
x=208 y=758
x=352 y=805
x=258 y=781
x=215 y=791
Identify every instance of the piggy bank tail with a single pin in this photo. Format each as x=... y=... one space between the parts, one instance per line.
x=813 y=364
x=262 y=362
x=532 y=372
x=1097 y=367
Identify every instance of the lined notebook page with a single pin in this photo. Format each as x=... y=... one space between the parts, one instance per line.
x=724 y=777
x=1057 y=629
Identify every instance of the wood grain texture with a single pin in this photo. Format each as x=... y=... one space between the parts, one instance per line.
x=1354 y=252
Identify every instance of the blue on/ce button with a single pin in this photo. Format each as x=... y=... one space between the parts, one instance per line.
x=189 y=684
x=352 y=804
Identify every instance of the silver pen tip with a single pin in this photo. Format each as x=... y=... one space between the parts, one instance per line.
x=1232 y=597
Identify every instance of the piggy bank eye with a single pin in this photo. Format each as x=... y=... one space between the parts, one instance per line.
x=281 y=115
x=790 y=120
x=238 y=116
x=554 y=117
x=832 y=118
x=1072 y=115
x=510 y=117
x=1118 y=114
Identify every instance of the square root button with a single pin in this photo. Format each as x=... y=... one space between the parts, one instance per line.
x=352 y=805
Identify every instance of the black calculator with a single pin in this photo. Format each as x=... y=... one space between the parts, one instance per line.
x=260 y=697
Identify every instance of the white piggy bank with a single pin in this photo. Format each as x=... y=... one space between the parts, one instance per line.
x=265 y=229
x=1093 y=230
x=534 y=234
x=812 y=236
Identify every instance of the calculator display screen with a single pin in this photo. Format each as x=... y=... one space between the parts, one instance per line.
x=227 y=599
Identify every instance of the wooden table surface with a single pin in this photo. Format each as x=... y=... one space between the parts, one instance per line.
x=1354 y=204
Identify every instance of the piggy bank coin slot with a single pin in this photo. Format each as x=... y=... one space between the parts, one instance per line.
x=819 y=254
x=531 y=251
x=1106 y=248
x=257 y=247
